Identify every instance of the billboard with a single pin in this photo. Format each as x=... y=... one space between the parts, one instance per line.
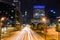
x=39 y=7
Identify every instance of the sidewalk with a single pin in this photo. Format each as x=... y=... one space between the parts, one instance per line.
x=7 y=35
x=52 y=34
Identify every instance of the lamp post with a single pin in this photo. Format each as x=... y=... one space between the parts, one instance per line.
x=44 y=20
x=3 y=22
x=58 y=20
x=3 y=18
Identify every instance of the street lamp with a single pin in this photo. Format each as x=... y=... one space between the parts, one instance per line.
x=58 y=20
x=44 y=19
x=3 y=18
x=1 y=21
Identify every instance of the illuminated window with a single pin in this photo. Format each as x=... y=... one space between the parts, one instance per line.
x=6 y=13
x=13 y=4
x=11 y=16
x=12 y=10
x=15 y=0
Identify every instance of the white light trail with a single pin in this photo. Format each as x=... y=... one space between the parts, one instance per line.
x=27 y=34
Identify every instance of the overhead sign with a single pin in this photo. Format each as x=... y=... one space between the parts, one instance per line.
x=39 y=6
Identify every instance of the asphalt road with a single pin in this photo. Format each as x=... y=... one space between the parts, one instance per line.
x=51 y=35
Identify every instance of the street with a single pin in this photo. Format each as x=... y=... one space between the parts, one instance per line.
x=51 y=35
x=30 y=20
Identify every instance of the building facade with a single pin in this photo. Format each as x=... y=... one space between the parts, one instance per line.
x=38 y=14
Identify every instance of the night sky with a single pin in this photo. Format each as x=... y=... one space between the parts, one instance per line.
x=50 y=4
x=27 y=5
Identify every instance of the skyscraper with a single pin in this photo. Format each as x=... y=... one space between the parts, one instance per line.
x=38 y=13
x=15 y=3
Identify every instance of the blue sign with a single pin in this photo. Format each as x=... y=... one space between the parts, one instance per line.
x=39 y=6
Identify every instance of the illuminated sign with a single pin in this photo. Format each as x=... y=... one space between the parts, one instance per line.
x=39 y=6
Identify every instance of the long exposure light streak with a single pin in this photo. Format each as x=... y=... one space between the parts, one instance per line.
x=27 y=34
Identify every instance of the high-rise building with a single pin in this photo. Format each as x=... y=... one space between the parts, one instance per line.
x=38 y=14
x=39 y=11
x=15 y=3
